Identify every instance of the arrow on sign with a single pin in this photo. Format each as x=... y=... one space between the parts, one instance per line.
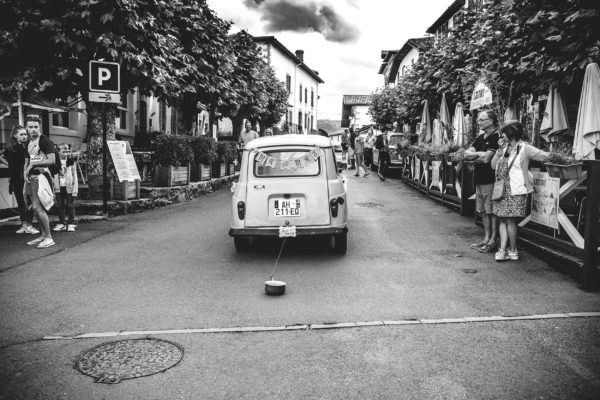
x=103 y=97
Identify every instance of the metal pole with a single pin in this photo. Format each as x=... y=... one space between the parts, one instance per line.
x=104 y=166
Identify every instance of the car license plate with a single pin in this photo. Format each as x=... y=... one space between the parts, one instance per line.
x=286 y=207
x=287 y=231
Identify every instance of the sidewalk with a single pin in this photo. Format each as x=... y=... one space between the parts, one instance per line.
x=150 y=198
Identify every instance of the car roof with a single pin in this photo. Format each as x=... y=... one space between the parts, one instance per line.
x=289 y=140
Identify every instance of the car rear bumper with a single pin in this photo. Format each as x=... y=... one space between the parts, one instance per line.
x=274 y=232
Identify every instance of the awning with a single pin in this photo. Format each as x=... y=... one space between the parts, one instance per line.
x=39 y=102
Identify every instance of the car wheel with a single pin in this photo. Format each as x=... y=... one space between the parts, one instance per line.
x=242 y=245
x=340 y=243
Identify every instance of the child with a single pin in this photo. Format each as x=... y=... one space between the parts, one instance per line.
x=66 y=187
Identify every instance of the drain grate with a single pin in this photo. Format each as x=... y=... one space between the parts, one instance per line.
x=127 y=359
x=369 y=205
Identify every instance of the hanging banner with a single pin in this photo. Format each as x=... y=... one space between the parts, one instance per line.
x=290 y=164
x=482 y=96
x=435 y=175
x=417 y=169
x=122 y=157
x=544 y=199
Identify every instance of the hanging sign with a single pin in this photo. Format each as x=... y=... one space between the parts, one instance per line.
x=122 y=157
x=482 y=96
x=544 y=199
x=291 y=164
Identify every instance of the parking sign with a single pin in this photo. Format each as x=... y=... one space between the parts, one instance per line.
x=105 y=77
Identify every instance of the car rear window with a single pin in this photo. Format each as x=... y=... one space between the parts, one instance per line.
x=394 y=140
x=285 y=164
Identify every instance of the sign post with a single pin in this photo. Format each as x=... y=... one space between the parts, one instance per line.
x=105 y=87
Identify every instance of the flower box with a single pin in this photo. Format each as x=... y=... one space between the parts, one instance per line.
x=200 y=172
x=571 y=171
x=171 y=176
x=125 y=190
x=218 y=169
x=424 y=157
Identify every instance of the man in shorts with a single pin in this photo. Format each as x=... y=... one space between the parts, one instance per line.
x=40 y=157
x=481 y=153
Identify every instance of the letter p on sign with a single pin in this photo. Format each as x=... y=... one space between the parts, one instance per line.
x=105 y=77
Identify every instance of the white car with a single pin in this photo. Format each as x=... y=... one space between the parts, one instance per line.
x=289 y=185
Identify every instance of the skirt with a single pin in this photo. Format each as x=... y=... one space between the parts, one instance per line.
x=508 y=206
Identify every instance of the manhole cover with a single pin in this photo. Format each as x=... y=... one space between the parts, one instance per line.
x=127 y=359
x=369 y=205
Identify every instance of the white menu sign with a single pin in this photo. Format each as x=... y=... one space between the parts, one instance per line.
x=122 y=157
x=544 y=199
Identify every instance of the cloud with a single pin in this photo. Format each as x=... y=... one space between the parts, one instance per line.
x=285 y=15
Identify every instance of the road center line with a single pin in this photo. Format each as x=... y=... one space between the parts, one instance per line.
x=340 y=325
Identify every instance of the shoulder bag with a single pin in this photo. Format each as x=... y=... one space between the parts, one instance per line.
x=498 y=191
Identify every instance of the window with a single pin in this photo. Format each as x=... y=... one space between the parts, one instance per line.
x=162 y=116
x=60 y=119
x=121 y=118
x=284 y=159
x=312 y=98
x=306 y=95
x=300 y=93
x=288 y=84
x=300 y=118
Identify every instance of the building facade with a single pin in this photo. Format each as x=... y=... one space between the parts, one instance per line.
x=396 y=63
x=302 y=84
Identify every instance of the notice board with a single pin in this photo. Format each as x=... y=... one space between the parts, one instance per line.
x=122 y=157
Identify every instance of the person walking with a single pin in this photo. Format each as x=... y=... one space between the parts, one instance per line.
x=481 y=153
x=66 y=187
x=40 y=156
x=511 y=163
x=345 y=143
x=14 y=157
x=359 y=147
x=382 y=144
x=369 y=144
x=247 y=135
x=351 y=155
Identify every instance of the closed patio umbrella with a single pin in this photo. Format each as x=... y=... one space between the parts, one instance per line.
x=444 y=118
x=425 y=135
x=460 y=127
x=587 y=130
x=555 y=116
x=437 y=135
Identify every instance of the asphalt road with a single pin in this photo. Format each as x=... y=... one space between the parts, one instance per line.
x=408 y=260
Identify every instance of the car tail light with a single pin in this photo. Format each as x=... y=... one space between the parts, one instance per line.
x=241 y=207
x=333 y=205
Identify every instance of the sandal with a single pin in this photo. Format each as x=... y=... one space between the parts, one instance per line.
x=488 y=248
x=478 y=245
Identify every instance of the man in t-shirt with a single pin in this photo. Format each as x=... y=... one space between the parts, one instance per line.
x=369 y=143
x=247 y=135
x=481 y=153
x=40 y=156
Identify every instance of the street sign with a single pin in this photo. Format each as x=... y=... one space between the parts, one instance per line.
x=105 y=77
x=101 y=97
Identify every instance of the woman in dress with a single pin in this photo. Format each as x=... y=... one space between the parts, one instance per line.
x=511 y=163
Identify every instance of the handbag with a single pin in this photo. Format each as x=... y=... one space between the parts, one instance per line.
x=498 y=191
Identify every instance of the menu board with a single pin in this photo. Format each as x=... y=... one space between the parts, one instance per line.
x=544 y=199
x=122 y=157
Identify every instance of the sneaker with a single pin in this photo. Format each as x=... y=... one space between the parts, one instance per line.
x=59 y=227
x=22 y=229
x=47 y=242
x=35 y=241
x=513 y=254
x=501 y=255
x=356 y=175
x=71 y=227
x=31 y=230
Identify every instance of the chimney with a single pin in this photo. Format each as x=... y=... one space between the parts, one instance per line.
x=300 y=55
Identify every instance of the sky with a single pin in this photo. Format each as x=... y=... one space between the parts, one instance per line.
x=341 y=39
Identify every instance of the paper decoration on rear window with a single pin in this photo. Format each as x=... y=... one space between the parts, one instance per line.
x=292 y=163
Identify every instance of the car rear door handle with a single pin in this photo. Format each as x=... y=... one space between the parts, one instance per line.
x=259 y=187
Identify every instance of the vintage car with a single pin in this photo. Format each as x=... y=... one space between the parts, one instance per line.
x=289 y=185
x=395 y=160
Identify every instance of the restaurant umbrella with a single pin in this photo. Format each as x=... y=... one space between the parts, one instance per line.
x=587 y=130
x=425 y=135
x=437 y=135
x=555 y=116
x=460 y=128
x=444 y=119
x=510 y=114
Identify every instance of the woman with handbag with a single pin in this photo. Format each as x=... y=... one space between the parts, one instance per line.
x=513 y=183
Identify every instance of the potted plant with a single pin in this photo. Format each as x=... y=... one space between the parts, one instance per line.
x=563 y=164
x=220 y=164
x=405 y=148
x=204 y=149
x=172 y=156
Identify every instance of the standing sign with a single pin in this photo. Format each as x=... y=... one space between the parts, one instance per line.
x=544 y=199
x=122 y=157
x=105 y=82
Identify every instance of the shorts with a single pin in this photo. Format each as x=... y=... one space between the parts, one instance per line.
x=32 y=187
x=483 y=192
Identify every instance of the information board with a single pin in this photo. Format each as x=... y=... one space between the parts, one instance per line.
x=544 y=199
x=122 y=157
